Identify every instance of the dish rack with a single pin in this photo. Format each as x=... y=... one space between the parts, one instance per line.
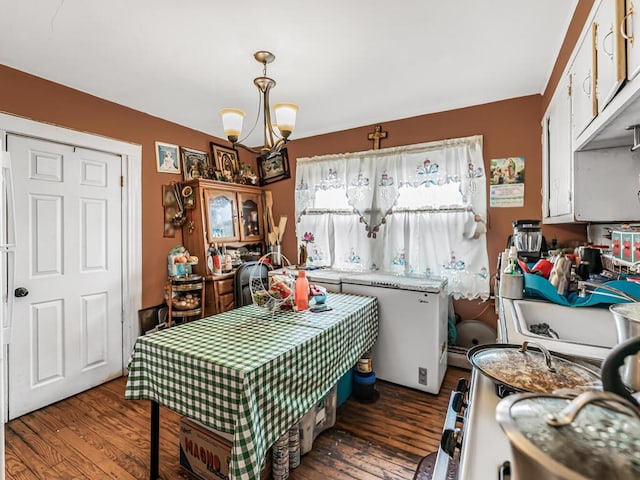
x=617 y=268
x=266 y=297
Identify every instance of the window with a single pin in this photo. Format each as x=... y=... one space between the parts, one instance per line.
x=415 y=210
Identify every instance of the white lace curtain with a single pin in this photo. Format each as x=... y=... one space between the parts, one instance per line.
x=418 y=209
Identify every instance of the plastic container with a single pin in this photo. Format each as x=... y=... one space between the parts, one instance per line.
x=364 y=387
x=319 y=418
x=302 y=291
x=345 y=387
x=512 y=286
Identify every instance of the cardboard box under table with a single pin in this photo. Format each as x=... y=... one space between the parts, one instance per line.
x=205 y=453
x=250 y=372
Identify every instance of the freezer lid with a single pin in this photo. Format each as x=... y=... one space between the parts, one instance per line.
x=326 y=276
x=387 y=280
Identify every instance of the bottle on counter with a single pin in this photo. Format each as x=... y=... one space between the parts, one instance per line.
x=228 y=263
x=301 y=293
x=215 y=258
x=512 y=261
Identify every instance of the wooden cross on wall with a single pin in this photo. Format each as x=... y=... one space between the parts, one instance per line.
x=376 y=136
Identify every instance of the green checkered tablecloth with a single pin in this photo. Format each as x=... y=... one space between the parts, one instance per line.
x=252 y=373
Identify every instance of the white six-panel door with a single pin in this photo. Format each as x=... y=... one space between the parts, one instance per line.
x=67 y=330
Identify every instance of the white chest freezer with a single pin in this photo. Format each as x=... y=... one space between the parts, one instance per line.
x=411 y=349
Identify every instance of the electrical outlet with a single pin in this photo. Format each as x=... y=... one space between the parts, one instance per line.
x=422 y=375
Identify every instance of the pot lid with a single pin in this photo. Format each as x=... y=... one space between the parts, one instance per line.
x=575 y=439
x=525 y=369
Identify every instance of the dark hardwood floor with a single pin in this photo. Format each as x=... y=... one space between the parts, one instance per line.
x=99 y=435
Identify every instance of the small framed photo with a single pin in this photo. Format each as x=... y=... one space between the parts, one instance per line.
x=274 y=168
x=167 y=160
x=225 y=160
x=195 y=164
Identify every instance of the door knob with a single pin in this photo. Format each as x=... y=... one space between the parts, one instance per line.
x=21 y=292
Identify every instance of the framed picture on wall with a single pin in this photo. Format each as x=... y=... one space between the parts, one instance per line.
x=225 y=161
x=195 y=164
x=167 y=158
x=274 y=168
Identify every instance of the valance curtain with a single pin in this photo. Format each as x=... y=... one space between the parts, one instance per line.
x=417 y=209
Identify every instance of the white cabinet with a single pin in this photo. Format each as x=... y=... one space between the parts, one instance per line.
x=631 y=32
x=557 y=153
x=605 y=185
x=589 y=174
x=583 y=100
x=622 y=105
x=610 y=51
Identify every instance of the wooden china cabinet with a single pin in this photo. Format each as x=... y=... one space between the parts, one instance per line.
x=222 y=213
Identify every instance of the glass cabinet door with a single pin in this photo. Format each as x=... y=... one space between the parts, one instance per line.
x=222 y=216
x=250 y=216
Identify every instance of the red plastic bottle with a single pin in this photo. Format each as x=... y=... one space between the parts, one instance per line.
x=302 y=291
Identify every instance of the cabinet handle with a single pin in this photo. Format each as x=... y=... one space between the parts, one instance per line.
x=623 y=25
x=608 y=36
x=587 y=82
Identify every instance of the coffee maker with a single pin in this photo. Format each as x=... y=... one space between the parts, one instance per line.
x=528 y=239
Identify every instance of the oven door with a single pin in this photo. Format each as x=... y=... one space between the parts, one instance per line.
x=446 y=464
x=485 y=452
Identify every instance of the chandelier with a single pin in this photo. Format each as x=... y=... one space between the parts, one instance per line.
x=275 y=135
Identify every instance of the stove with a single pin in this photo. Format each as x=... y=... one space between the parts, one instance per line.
x=485 y=448
x=471 y=436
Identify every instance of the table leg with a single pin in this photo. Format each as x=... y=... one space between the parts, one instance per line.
x=154 y=447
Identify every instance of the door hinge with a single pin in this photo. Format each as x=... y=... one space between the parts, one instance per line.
x=121 y=181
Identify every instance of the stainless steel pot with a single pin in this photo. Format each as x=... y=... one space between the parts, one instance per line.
x=594 y=436
x=627 y=319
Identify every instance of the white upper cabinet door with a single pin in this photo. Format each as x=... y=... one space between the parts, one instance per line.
x=631 y=32
x=557 y=153
x=583 y=99
x=610 y=51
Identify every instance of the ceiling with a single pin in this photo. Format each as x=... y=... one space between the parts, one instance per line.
x=346 y=63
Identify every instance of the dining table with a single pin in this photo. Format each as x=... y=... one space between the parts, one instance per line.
x=250 y=372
